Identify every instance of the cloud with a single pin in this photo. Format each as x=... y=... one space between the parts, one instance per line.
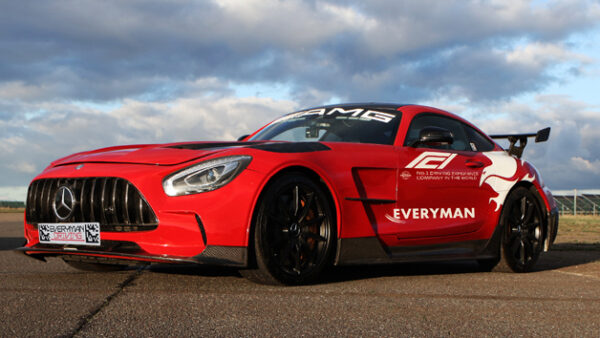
x=571 y=158
x=17 y=193
x=83 y=74
x=539 y=55
x=111 y=50
x=23 y=167
x=30 y=144
x=586 y=165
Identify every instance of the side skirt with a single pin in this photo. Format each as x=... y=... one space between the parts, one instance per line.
x=369 y=250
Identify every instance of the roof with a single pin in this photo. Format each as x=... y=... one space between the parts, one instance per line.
x=373 y=105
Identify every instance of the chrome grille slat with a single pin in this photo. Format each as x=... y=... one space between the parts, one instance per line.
x=115 y=218
x=140 y=209
x=92 y=199
x=126 y=206
x=38 y=198
x=43 y=199
x=82 y=201
x=111 y=201
x=103 y=219
x=135 y=208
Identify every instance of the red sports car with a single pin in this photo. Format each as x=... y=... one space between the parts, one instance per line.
x=341 y=184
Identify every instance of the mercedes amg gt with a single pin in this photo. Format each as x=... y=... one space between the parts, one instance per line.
x=332 y=185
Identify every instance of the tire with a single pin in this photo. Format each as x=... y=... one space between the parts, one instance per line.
x=294 y=232
x=95 y=267
x=522 y=233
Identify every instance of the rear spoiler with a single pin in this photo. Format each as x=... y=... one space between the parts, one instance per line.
x=541 y=136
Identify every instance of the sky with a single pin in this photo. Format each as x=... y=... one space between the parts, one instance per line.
x=79 y=75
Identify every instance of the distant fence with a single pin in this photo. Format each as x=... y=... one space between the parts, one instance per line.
x=578 y=202
x=570 y=202
x=12 y=204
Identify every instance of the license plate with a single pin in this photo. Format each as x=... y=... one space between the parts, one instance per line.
x=69 y=233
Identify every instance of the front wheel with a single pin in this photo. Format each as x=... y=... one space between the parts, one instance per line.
x=522 y=237
x=294 y=232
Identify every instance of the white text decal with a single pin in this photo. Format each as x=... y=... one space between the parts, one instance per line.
x=400 y=214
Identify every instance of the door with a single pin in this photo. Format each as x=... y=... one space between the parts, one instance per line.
x=438 y=185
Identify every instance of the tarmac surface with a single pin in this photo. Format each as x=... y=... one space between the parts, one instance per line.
x=561 y=298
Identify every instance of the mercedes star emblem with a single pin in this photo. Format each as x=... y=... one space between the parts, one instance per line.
x=64 y=203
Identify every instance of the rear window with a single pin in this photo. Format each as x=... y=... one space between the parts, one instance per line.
x=478 y=141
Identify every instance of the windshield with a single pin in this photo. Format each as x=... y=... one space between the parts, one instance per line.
x=334 y=125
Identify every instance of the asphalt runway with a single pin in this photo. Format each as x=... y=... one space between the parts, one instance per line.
x=562 y=298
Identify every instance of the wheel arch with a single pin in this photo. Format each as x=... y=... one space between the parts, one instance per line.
x=542 y=202
x=312 y=175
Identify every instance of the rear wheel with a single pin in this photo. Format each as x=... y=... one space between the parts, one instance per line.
x=522 y=237
x=294 y=232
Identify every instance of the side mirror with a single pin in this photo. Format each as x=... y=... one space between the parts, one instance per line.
x=241 y=138
x=434 y=136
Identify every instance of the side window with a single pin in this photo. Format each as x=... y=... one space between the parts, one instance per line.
x=433 y=120
x=477 y=141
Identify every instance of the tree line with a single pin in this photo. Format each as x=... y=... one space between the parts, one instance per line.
x=12 y=204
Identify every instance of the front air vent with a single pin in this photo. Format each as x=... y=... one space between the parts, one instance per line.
x=113 y=202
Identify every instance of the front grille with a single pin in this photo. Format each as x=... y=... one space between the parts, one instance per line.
x=113 y=202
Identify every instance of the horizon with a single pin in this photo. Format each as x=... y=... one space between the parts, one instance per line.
x=83 y=75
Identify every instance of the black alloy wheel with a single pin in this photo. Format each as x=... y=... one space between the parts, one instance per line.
x=523 y=236
x=294 y=232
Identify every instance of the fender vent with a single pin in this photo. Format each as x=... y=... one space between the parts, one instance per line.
x=113 y=202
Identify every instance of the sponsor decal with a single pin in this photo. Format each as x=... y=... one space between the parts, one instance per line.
x=432 y=175
x=404 y=214
x=406 y=175
x=431 y=164
x=92 y=233
x=359 y=113
x=501 y=175
x=431 y=160
x=70 y=233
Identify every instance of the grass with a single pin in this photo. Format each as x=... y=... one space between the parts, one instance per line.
x=15 y=210
x=582 y=232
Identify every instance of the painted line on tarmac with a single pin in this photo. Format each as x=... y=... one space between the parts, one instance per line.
x=578 y=274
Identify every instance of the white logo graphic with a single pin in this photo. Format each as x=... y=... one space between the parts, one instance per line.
x=501 y=175
x=431 y=160
x=405 y=175
x=401 y=214
x=371 y=115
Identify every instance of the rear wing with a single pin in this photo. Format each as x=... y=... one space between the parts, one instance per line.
x=541 y=136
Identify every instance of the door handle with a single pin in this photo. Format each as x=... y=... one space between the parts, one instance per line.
x=474 y=164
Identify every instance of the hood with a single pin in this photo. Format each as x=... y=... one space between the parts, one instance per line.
x=154 y=154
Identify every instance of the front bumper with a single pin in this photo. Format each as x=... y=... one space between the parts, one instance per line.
x=212 y=255
x=207 y=228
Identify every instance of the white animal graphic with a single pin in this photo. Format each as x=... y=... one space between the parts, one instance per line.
x=500 y=175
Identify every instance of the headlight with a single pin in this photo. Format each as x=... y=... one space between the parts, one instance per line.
x=205 y=176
